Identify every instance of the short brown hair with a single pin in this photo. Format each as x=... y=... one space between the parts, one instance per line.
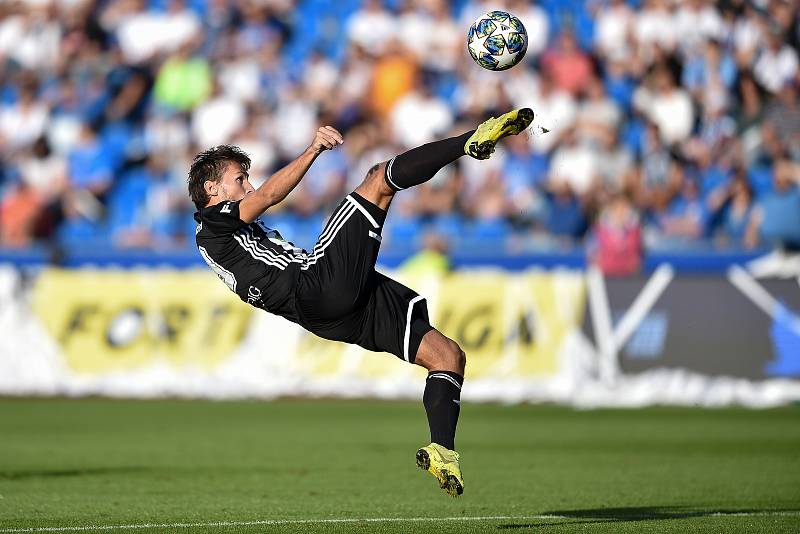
x=210 y=165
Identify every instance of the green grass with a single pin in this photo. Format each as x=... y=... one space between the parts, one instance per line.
x=105 y=462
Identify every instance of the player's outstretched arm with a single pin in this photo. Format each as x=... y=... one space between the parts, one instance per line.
x=280 y=184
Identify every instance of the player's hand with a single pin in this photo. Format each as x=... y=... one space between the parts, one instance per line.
x=326 y=138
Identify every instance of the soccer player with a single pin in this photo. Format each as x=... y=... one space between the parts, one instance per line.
x=334 y=291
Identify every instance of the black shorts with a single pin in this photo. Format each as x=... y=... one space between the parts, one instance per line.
x=340 y=296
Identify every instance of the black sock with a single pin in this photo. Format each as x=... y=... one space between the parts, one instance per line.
x=419 y=164
x=442 y=400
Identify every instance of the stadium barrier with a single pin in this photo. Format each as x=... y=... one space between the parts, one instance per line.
x=561 y=335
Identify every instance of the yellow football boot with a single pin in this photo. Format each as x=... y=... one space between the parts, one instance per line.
x=481 y=144
x=443 y=464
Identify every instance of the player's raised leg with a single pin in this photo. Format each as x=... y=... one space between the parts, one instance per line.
x=420 y=164
x=445 y=362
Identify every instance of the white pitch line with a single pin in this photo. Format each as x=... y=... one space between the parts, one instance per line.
x=279 y=522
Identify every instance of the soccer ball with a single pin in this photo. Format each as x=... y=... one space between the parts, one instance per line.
x=497 y=40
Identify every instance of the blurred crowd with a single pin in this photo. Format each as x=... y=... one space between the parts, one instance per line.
x=673 y=123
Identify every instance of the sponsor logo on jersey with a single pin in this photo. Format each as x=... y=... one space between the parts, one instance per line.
x=253 y=295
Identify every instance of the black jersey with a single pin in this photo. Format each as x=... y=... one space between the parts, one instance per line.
x=334 y=291
x=254 y=261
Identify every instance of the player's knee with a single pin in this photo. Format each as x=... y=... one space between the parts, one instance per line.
x=376 y=177
x=455 y=358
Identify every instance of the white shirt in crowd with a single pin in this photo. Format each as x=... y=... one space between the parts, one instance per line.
x=22 y=125
x=612 y=30
x=371 y=30
x=418 y=119
x=695 y=24
x=654 y=27
x=146 y=33
x=575 y=165
x=672 y=112
x=216 y=120
x=774 y=68
x=31 y=40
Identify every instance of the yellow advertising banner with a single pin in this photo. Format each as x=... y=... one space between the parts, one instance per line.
x=108 y=320
x=510 y=325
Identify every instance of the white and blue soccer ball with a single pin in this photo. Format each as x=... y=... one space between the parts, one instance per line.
x=497 y=40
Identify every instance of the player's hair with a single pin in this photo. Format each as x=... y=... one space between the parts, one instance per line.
x=210 y=165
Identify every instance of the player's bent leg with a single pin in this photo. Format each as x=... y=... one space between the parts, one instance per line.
x=445 y=362
x=375 y=188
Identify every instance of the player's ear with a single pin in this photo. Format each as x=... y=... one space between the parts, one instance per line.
x=211 y=187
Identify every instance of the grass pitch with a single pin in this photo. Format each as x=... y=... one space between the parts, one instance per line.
x=258 y=466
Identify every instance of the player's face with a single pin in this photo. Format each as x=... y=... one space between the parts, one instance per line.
x=235 y=183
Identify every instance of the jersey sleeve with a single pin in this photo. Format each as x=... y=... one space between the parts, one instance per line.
x=222 y=218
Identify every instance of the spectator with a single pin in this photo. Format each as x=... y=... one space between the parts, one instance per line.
x=525 y=174
x=419 y=117
x=654 y=30
x=668 y=107
x=565 y=218
x=217 y=119
x=556 y=111
x=777 y=63
x=31 y=37
x=18 y=212
x=776 y=219
x=749 y=103
x=615 y=23
x=709 y=76
x=782 y=119
x=432 y=260
x=395 y=75
x=90 y=167
x=22 y=122
x=371 y=28
x=142 y=34
x=183 y=82
x=44 y=172
x=575 y=165
x=617 y=234
x=696 y=22
x=569 y=67
x=142 y=207
x=738 y=212
x=598 y=116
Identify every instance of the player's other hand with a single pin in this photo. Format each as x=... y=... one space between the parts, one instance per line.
x=326 y=138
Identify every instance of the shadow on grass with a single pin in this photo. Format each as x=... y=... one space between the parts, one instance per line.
x=635 y=513
x=24 y=474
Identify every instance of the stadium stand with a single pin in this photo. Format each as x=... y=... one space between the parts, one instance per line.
x=675 y=124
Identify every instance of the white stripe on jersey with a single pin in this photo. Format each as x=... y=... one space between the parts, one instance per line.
x=330 y=232
x=261 y=254
x=363 y=210
x=332 y=222
x=224 y=275
x=319 y=250
x=249 y=243
x=255 y=243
